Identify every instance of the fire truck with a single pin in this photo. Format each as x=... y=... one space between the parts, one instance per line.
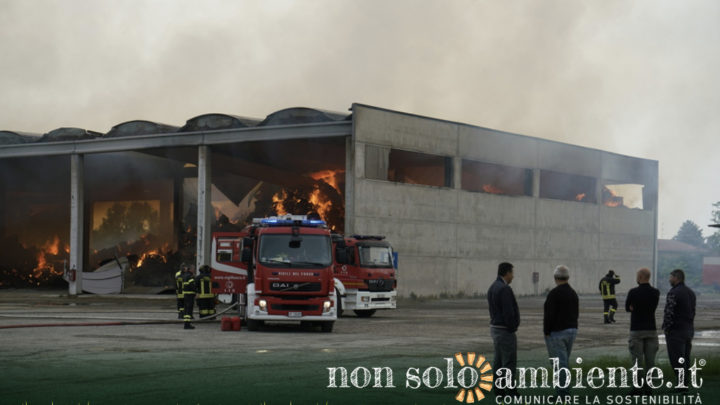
x=277 y=269
x=365 y=268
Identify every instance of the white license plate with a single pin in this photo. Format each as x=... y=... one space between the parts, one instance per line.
x=294 y=314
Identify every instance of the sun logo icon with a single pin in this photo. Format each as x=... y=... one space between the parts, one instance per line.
x=480 y=376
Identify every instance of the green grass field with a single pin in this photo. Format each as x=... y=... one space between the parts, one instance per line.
x=281 y=377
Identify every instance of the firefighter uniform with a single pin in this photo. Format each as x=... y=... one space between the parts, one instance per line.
x=607 y=291
x=179 y=293
x=205 y=297
x=189 y=288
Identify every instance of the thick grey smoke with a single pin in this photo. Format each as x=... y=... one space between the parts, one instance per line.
x=636 y=78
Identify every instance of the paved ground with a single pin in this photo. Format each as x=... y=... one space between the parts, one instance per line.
x=162 y=363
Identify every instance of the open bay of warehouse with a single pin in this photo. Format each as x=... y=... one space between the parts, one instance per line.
x=142 y=362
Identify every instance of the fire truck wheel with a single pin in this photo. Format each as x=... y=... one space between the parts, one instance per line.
x=327 y=327
x=253 y=324
x=339 y=303
x=364 y=313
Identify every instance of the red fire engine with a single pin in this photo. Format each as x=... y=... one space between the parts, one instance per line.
x=277 y=269
x=365 y=269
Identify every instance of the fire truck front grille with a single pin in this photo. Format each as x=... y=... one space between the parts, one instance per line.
x=380 y=285
x=293 y=286
x=294 y=307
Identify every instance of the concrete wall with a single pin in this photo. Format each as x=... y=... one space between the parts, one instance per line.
x=450 y=240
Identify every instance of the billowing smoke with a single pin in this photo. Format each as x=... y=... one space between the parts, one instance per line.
x=636 y=78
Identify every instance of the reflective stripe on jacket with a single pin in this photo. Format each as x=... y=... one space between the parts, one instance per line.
x=607 y=287
x=204 y=286
x=188 y=285
x=179 y=284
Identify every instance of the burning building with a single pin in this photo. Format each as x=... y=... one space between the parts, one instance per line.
x=453 y=199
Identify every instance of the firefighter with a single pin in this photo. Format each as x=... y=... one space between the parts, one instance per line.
x=188 y=288
x=607 y=291
x=179 y=290
x=205 y=297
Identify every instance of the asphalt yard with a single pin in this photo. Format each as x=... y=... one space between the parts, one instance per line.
x=132 y=349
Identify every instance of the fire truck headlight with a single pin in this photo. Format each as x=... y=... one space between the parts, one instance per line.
x=263 y=305
x=365 y=299
x=326 y=306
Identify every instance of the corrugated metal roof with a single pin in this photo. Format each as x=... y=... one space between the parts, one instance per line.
x=14 y=137
x=302 y=115
x=140 y=127
x=215 y=121
x=69 y=134
x=201 y=123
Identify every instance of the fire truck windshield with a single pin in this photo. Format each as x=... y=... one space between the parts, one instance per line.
x=276 y=250
x=375 y=256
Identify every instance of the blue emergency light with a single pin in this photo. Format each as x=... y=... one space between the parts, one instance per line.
x=291 y=220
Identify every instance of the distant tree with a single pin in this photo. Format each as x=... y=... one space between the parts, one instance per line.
x=713 y=241
x=691 y=234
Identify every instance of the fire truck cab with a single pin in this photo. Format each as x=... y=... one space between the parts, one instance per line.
x=278 y=269
x=365 y=268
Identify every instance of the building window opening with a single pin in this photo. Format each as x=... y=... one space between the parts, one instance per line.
x=623 y=195
x=495 y=179
x=568 y=187
x=419 y=168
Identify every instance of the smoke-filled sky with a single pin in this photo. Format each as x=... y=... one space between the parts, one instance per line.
x=638 y=78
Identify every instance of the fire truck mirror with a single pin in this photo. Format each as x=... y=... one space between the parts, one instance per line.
x=246 y=255
x=351 y=255
x=247 y=242
x=341 y=255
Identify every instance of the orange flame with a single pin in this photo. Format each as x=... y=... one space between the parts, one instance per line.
x=153 y=253
x=51 y=247
x=278 y=199
x=611 y=198
x=328 y=176
x=489 y=188
x=320 y=202
x=580 y=197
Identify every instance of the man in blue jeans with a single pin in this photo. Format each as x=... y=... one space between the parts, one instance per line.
x=504 y=321
x=560 y=323
x=678 y=324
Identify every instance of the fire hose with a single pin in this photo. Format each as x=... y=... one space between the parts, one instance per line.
x=207 y=319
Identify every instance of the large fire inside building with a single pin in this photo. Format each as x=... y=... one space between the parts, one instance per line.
x=453 y=199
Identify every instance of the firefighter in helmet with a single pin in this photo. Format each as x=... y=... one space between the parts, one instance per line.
x=607 y=291
x=179 y=290
x=205 y=297
x=188 y=288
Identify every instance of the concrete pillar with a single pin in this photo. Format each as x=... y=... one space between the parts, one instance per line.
x=350 y=169
x=536 y=183
x=3 y=205
x=457 y=173
x=205 y=209
x=77 y=211
x=177 y=209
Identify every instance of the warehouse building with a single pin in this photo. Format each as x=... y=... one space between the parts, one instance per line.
x=453 y=199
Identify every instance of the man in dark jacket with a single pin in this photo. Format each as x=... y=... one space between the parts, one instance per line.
x=560 y=322
x=678 y=322
x=607 y=291
x=504 y=321
x=641 y=302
